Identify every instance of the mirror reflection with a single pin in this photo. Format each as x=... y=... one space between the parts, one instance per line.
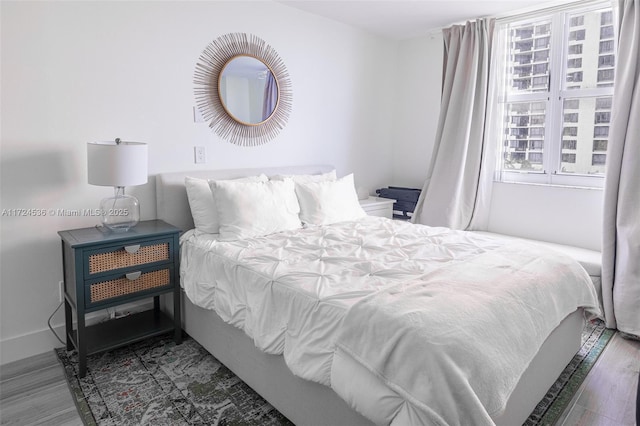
x=248 y=90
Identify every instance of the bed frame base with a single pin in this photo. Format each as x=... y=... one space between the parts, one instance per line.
x=309 y=403
x=301 y=401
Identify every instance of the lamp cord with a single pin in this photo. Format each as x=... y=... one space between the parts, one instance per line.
x=51 y=328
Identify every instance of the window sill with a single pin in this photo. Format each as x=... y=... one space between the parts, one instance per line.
x=551 y=185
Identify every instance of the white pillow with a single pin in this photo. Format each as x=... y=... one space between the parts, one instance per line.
x=307 y=178
x=323 y=203
x=203 y=207
x=252 y=209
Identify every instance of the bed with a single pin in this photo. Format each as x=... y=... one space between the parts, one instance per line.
x=312 y=386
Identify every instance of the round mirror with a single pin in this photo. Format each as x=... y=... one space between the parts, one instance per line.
x=248 y=90
x=243 y=89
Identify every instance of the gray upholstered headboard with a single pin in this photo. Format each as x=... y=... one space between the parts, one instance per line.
x=171 y=195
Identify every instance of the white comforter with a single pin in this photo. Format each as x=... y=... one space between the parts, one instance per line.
x=448 y=320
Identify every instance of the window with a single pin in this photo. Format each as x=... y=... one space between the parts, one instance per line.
x=557 y=96
x=606 y=46
x=602 y=117
x=535 y=157
x=606 y=32
x=606 y=61
x=576 y=21
x=601 y=131
x=599 y=159
x=605 y=75
x=536 y=145
x=571 y=117
x=576 y=35
x=600 y=145
x=575 y=49
x=574 y=63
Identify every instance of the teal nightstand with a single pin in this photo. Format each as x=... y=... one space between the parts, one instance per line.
x=103 y=269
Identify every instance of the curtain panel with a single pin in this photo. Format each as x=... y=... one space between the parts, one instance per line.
x=450 y=193
x=621 y=230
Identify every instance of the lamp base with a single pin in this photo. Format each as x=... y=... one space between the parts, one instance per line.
x=120 y=212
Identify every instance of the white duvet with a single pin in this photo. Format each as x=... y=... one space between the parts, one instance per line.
x=447 y=320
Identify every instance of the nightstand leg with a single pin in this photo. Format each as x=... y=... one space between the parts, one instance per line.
x=156 y=304
x=68 y=324
x=82 y=347
x=177 y=318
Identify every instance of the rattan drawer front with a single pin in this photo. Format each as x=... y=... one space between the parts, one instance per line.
x=105 y=290
x=121 y=258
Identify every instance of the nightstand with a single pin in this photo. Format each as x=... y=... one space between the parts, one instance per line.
x=376 y=206
x=103 y=269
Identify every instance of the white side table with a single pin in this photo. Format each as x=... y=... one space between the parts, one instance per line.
x=376 y=206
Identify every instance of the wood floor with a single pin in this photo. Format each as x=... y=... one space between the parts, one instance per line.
x=34 y=391
x=608 y=394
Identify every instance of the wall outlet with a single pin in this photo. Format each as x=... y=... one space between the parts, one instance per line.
x=61 y=291
x=200 y=154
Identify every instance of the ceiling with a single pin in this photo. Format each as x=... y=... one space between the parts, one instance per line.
x=403 y=19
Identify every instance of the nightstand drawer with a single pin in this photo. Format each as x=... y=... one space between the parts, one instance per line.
x=127 y=255
x=129 y=285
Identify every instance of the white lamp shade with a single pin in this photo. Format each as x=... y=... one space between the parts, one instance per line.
x=111 y=164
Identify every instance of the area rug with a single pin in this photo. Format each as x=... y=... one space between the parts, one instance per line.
x=157 y=382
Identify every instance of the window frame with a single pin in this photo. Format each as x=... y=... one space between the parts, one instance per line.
x=558 y=91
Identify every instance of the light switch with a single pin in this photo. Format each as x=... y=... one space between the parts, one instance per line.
x=197 y=117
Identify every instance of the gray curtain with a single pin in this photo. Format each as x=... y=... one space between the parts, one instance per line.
x=621 y=231
x=449 y=195
x=270 y=96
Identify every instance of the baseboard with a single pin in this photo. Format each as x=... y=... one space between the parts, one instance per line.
x=40 y=341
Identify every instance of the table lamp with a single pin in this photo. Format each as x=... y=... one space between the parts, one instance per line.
x=118 y=164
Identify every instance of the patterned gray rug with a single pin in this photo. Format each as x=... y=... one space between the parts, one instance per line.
x=157 y=382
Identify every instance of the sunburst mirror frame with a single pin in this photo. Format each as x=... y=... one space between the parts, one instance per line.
x=206 y=79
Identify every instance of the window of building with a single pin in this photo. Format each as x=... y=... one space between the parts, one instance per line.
x=575 y=49
x=605 y=75
x=602 y=117
x=576 y=35
x=606 y=32
x=576 y=21
x=574 y=63
x=535 y=157
x=606 y=61
x=599 y=159
x=536 y=145
x=571 y=117
x=556 y=123
x=606 y=46
x=600 y=145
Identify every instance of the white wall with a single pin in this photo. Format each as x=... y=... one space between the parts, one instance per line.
x=74 y=72
x=557 y=214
